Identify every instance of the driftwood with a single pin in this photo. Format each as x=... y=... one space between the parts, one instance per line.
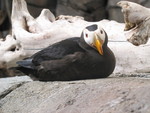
x=137 y=19
x=30 y=35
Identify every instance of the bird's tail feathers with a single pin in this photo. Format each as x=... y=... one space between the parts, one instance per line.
x=27 y=63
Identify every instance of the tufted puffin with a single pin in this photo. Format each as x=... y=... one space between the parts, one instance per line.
x=85 y=57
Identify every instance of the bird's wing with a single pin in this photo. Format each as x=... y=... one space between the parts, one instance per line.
x=60 y=68
x=57 y=51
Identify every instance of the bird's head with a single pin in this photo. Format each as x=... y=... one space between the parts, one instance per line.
x=95 y=36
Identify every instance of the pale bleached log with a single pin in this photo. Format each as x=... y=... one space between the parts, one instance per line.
x=30 y=35
x=137 y=19
x=10 y=52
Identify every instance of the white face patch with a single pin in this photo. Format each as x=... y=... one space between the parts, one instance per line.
x=101 y=33
x=89 y=36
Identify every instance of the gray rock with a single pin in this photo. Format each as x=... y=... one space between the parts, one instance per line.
x=35 y=6
x=110 y=95
x=91 y=10
x=9 y=84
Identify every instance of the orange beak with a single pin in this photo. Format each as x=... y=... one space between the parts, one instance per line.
x=98 y=44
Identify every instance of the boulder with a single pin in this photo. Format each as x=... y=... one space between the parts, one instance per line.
x=110 y=95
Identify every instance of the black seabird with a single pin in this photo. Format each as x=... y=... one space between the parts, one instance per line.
x=85 y=57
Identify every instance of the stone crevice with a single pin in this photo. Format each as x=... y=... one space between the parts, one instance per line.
x=8 y=91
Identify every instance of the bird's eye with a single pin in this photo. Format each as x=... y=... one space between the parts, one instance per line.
x=86 y=35
x=101 y=31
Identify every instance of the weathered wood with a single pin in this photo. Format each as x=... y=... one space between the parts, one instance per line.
x=30 y=35
x=137 y=18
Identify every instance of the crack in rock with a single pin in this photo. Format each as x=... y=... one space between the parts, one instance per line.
x=6 y=92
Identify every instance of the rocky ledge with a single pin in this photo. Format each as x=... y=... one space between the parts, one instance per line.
x=109 y=95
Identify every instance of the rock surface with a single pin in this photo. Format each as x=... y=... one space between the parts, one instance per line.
x=9 y=84
x=110 y=95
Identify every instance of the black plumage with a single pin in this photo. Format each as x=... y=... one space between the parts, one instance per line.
x=71 y=59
